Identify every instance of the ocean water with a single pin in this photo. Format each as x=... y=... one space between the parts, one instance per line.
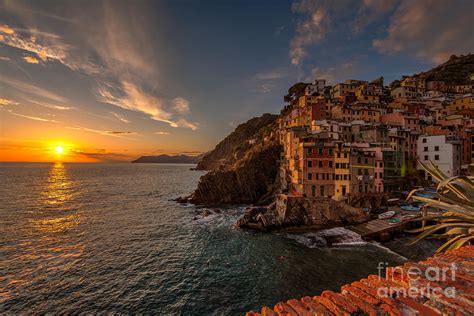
x=106 y=238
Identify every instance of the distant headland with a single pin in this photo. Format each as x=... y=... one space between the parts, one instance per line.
x=169 y=159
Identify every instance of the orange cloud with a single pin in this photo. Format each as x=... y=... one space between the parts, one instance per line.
x=6 y=29
x=4 y=102
x=31 y=60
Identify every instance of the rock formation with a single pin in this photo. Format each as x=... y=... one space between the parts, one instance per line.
x=300 y=212
x=236 y=144
x=244 y=166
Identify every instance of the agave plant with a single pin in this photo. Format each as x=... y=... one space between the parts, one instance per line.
x=455 y=198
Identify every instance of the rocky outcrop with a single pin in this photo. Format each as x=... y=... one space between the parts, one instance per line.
x=236 y=144
x=301 y=212
x=250 y=180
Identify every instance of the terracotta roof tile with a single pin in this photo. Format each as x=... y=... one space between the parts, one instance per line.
x=366 y=296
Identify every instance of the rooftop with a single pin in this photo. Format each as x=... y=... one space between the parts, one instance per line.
x=427 y=294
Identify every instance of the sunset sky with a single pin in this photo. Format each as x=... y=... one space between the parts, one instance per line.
x=113 y=80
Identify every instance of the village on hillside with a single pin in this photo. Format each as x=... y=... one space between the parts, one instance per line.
x=359 y=138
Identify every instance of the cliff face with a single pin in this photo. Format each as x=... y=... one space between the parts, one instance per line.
x=235 y=145
x=251 y=180
x=244 y=166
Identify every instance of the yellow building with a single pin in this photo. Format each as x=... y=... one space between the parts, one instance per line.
x=342 y=171
x=466 y=102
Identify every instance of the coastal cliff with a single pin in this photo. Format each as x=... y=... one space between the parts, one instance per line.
x=236 y=144
x=244 y=166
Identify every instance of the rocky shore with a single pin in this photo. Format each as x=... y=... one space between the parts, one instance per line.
x=301 y=214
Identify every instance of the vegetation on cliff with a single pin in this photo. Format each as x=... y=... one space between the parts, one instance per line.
x=244 y=166
x=236 y=144
x=457 y=70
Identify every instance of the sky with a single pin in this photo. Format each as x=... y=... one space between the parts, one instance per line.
x=113 y=80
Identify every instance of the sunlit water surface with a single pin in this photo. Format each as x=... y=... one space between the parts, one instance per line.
x=89 y=238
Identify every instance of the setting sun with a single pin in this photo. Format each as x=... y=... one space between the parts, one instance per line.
x=59 y=150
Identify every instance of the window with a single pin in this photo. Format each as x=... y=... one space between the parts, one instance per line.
x=320 y=151
x=424 y=140
x=330 y=152
x=436 y=148
x=381 y=175
x=359 y=172
x=310 y=176
x=425 y=149
x=436 y=157
x=310 y=150
x=426 y=158
x=366 y=161
x=310 y=164
x=338 y=155
x=324 y=176
x=330 y=164
x=359 y=160
x=320 y=164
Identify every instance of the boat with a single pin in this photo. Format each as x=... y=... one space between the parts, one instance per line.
x=408 y=217
x=394 y=221
x=409 y=207
x=386 y=215
x=393 y=201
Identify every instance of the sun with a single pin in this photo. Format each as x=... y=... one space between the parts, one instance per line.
x=59 y=150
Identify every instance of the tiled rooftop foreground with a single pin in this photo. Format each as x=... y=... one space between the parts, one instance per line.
x=430 y=282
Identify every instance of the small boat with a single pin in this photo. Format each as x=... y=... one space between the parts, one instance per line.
x=386 y=215
x=394 y=221
x=424 y=195
x=408 y=217
x=394 y=200
x=410 y=208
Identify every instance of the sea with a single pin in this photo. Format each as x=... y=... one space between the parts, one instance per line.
x=90 y=238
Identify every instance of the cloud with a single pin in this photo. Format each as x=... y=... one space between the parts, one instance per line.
x=310 y=30
x=52 y=106
x=102 y=155
x=162 y=133
x=4 y=102
x=5 y=29
x=181 y=105
x=31 y=60
x=31 y=89
x=185 y=123
x=371 y=11
x=34 y=118
x=24 y=40
x=132 y=97
x=429 y=29
x=119 y=134
x=120 y=117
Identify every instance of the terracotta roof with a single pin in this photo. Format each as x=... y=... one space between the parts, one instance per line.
x=431 y=287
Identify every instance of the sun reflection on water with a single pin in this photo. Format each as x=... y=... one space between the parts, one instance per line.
x=50 y=244
x=59 y=187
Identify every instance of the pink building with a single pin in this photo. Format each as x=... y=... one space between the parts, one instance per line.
x=402 y=120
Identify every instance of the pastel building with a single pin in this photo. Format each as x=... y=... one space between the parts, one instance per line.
x=342 y=171
x=443 y=151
